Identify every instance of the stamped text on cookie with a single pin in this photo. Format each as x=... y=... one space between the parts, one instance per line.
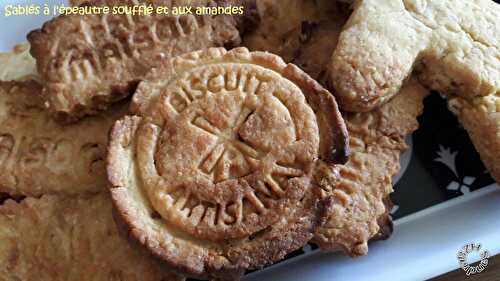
x=90 y=61
x=39 y=156
x=235 y=142
x=218 y=160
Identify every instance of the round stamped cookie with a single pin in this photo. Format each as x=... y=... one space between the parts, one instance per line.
x=214 y=173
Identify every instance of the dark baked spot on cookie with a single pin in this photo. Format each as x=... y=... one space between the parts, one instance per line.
x=155 y=215
x=259 y=233
x=306 y=31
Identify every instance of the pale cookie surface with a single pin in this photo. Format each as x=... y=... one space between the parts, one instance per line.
x=481 y=118
x=87 y=62
x=377 y=139
x=214 y=173
x=454 y=46
x=17 y=64
x=39 y=156
x=348 y=228
x=56 y=238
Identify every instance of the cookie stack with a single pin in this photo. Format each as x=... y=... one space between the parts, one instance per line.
x=163 y=147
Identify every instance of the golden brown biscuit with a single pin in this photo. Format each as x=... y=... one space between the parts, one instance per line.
x=319 y=39
x=214 y=172
x=377 y=139
x=279 y=30
x=17 y=64
x=454 y=45
x=481 y=118
x=287 y=27
x=58 y=238
x=39 y=156
x=87 y=62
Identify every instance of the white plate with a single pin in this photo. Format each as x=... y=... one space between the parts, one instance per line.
x=424 y=244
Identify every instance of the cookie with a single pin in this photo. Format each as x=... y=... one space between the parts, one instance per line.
x=59 y=238
x=360 y=187
x=279 y=30
x=318 y=47
x=481 y=118
x=87 y=62
x=286 y=27
x=38 y=155
x=452 y=45
x=17 y=64
x=213 y=173
x=380 y=161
